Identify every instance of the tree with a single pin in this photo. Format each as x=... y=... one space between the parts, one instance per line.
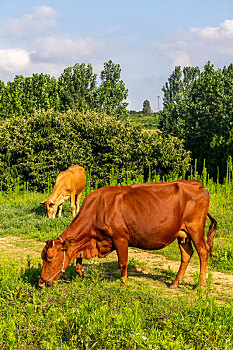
x=45 y=92
x=178 y=84
x=76 y=87
x=146 y=110
x=111 y=93
x=199 y=110
x=25 y=95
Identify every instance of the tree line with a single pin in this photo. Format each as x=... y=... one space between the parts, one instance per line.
x=48 y=124
x=198 y=108
x=76 y=88
x=197 y=117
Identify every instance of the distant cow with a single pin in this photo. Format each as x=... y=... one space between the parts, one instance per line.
x=147 y=216
x=69 y=184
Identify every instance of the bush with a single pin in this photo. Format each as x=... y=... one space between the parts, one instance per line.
x=35 y=148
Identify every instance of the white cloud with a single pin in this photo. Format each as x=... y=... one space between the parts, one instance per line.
x=57 y=49
x=42 y=51
x=179 y=58
x=36 y=23
x=209 y=33
x=224 y=31
x=13 y=60
x=199 y=45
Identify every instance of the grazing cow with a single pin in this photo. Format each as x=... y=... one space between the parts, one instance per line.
x=69 y=184
x=147 y=216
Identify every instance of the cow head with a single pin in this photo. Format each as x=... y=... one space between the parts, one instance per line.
x=56 y=258
x=50 y=207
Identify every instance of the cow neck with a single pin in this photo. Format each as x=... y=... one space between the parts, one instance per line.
x=81 y=250
x=53 y=196
x=56 y=192
x=81 y=231
x=79 y=247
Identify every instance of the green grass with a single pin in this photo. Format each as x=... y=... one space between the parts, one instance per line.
x=147 y=122
x=24 y=215
x=95 y=312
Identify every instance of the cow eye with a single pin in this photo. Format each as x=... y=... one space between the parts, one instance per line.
x=50 y=257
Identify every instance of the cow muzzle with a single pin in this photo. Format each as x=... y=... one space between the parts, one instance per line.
x=44 y=283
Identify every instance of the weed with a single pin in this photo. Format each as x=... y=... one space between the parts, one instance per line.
x=136 y=264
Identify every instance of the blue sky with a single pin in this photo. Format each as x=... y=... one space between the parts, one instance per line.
x=147 y=38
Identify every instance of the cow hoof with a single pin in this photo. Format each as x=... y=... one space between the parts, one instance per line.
x=123 y=285
x=195 y=287
x=80 y=274
x=172 y=285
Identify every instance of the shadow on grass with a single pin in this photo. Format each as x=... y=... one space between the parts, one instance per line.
x=102 y=270
x=31 y=275
x=40 y=210
x=111 y=272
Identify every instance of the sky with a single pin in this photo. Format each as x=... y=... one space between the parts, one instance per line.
x=147 y=38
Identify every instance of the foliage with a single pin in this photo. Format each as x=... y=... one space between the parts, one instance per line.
x=178 y=84
x=37 y=147
x=111 y=93
x=24 y=95
x=146 y=110
x=76 y=88
x=198 y=108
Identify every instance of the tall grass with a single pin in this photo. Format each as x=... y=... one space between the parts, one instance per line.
x=17 y=187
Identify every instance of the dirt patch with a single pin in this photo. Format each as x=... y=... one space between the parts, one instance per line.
x=149 y=267
x=221 y=283
x=19 y=246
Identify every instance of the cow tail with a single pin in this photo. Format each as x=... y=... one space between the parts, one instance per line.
x=211 y=233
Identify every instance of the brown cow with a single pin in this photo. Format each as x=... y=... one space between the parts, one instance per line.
x=148 y=216
x=69 y=184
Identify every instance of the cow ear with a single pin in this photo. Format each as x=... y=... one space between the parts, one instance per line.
x=67 y=243
x=43 y=202
x=50 y=243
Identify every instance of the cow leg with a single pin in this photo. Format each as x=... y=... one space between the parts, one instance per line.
x=186 y=251
x=79 y=267
x=78 y=198
x=203 y=251
x=72 y=204
x=122 y=253
x=197 y=234
x=59 y=211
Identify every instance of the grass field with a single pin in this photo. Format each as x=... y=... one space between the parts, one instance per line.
x=95 y=312
x=147 y=122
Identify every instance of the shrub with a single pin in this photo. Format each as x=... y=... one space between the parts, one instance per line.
x=37 y=147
